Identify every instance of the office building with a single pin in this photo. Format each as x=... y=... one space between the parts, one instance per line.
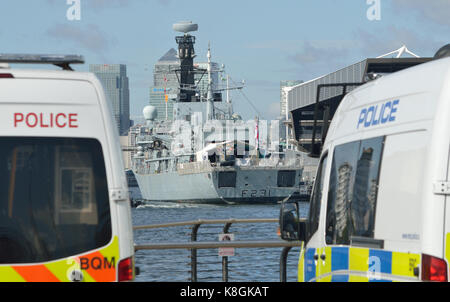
x=285 y=86
x=115 y=84
x=165 y=82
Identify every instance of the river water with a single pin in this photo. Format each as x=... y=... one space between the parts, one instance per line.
x=248 y=264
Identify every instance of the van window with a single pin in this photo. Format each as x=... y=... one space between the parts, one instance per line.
x=404 y=160
x=314 y=207
x=353 y=190
x=54 y=199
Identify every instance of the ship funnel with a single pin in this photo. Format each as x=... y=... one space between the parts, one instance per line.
x=185 y=26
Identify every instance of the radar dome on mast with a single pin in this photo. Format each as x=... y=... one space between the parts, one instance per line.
x=185 y=26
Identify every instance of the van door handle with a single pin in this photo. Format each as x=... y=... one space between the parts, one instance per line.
x=322 y=257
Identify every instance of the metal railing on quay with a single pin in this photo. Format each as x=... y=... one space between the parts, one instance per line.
x=194 y=245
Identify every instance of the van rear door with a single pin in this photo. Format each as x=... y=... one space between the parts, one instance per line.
x=55 y=178
x=444 y=189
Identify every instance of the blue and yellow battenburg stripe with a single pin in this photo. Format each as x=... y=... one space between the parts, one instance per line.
x=354 y=264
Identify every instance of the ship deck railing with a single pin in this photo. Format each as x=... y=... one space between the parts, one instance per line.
x=207 y=167
x=194 y=167
x=199 y=167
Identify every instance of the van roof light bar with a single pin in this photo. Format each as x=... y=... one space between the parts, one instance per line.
x=62 y=61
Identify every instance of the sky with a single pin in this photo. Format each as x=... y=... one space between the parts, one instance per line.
x=259 y=41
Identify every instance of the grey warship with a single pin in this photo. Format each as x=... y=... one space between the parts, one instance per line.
x=207 y=153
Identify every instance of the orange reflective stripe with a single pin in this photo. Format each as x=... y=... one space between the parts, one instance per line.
x=95 y=266
x=99 y=267
x=35 y=273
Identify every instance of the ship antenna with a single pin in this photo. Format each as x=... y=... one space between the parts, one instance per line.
x=210 y=100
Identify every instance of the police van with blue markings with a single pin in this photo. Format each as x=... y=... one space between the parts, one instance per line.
x=379 y=208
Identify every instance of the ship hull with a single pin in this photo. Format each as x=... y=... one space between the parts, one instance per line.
x=222 y=186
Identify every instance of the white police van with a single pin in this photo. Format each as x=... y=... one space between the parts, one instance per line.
x=64 y=209
x=379 y=209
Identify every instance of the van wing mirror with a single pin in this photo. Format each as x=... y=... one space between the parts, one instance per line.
x=292 y=228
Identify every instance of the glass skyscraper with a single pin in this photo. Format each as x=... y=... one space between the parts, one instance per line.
x=115 y=84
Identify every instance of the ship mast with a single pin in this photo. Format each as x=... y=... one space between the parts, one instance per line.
x=210 y=100
x=186 y=55
x=230 y=108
